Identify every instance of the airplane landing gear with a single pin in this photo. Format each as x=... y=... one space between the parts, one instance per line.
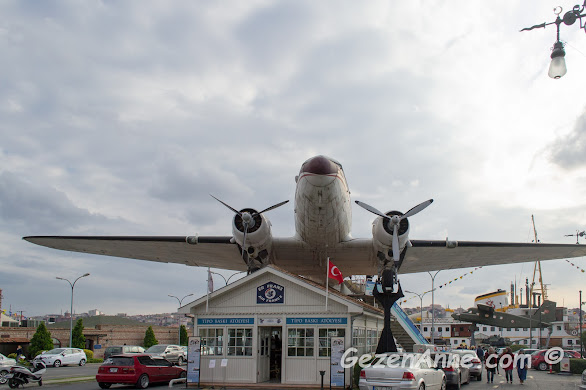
x=387 y=298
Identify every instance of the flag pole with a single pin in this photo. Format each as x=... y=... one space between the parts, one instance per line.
x=208 y=291
x=327 y=284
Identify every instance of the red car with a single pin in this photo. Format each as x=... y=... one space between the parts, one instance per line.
x=139 y=369
x=538 y=358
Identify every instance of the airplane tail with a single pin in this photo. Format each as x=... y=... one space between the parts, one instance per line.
x=545 y=313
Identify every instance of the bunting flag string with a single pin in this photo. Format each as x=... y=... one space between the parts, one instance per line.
x=446 y=283
x=575 y=266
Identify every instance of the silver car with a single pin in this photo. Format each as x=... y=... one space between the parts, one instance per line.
x=58 y=357
x=171 y=352
x=5 y=364
x=402 y=371
x=470 y=359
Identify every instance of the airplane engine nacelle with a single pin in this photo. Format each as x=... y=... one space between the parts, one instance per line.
x=258 y=238
x=382 y=234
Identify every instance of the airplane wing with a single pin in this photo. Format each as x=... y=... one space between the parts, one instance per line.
x=213 y=251
x=439 y=255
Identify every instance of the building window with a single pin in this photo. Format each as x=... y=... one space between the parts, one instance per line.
x=508 y=329
x=447 y=328
x=325 y=339
x=358 y=340
x=516 y=329
x=371 y=340
x=484 y=329
x=569 y=342
x=455 y=342
x=559 y=327
x=300 y=342
x=240 y=342
x=425 y=328
x=492 y=328
x=212 y=341
x=461 y=329
x=525 y=329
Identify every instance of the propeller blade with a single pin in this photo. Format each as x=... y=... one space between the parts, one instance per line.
x=245 y=224
x=371 y=209
x=273 y=207
x=230 y=207
x=417 y=208
x=396 y=252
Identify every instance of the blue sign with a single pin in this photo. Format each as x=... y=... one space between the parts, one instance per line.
x=317 y=321
x=225 y=321
x=270 y=293
x=97 y=346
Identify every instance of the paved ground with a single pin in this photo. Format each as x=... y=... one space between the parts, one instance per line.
x=82 y=378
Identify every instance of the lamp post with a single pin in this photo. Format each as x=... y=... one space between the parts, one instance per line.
x=230 y=277
x=557 y=67
x=432 y=303
x=580 y=331
x=180 y=301
x=420 y=306
x=71 y=308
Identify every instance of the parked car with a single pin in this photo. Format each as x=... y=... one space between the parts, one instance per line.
x=58 y=357
x=470 y=358
x=138 y=369
x=5 y=364
x=171 y=352
x=118 y=349
x=582 y=385
x=456 y=374
x=407 y=371
x=538 y=358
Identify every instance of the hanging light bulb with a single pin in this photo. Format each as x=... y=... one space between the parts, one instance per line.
x=557 y=67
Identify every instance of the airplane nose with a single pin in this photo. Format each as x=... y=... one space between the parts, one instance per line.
x=319 y=165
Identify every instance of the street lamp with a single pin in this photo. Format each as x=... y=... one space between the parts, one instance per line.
x=433 y=301
x=180 y=301
x=420 y=306
x=71 y=308
x=557 y=67
x=230 y=277
x=580 y=331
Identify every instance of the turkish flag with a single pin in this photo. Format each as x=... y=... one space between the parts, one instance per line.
x=334 y=272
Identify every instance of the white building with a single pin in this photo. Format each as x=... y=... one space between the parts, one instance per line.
x=273 y=326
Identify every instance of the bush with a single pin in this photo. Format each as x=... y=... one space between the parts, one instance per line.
x=89 y=354
x=92 y=360
x=149 y=338
x=516 y=347
x=577 y=366
x=12 y=356
x=41 y=341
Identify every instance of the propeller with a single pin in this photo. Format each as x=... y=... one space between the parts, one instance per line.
x=395 y=220
x=248 y=222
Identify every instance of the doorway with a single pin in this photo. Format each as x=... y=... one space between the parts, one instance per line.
x=270 y=346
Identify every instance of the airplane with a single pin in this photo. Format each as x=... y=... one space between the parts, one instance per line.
x=323 y=217
x=487 y=315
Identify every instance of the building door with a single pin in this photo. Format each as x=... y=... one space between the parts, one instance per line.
x=263 y=353
x=276 y=354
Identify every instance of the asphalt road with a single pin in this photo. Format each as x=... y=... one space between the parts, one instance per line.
x=536 y=380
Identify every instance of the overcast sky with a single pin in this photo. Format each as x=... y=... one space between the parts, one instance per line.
x=119 y=118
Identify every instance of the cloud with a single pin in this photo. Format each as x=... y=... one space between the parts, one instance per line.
x=570 y=151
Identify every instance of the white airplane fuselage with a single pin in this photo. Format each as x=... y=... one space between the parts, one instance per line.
x=323 y=214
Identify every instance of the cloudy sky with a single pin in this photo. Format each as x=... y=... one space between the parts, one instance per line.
x=119 y=118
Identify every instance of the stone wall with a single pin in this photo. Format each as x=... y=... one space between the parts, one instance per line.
x=104 y=335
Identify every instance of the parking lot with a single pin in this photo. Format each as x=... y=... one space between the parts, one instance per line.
x=70 y=378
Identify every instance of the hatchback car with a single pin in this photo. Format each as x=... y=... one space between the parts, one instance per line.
x=171 y=352
x=402 y=371
x=62 y=357
x=470 y=359
x=456 y=374
x=138 y=369
x=118 y=349
x=538 y=358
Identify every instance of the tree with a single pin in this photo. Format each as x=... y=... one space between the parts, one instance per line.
x=41 y=341
x=183 y=336
x=78 y=339
x=149 y=338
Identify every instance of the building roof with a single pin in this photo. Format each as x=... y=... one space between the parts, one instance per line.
x=333 y=293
